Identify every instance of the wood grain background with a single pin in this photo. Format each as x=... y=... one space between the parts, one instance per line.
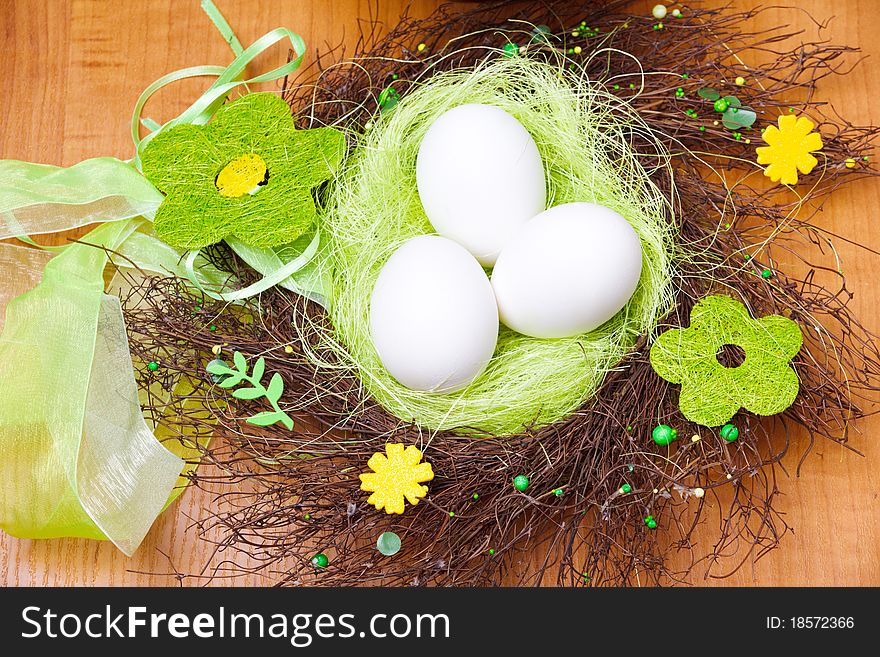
x=71 y=71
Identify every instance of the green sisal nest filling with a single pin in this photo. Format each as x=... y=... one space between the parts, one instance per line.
x=585 y=137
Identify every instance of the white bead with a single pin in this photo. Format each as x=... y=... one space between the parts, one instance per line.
x=699 y=492
x=659 y=12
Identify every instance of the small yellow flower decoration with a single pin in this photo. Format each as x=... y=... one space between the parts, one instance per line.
x=396 y=477
x=789 y=150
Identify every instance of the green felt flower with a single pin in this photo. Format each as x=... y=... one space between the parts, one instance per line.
x=248 y=173
x=711 y=393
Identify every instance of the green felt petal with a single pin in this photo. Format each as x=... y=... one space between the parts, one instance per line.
x=711 y=393
x=776 y=391
x=324 y=148
x=708 y=397
x=277 y=215
x=256 y=118
x=181 y=157
x=785 y=334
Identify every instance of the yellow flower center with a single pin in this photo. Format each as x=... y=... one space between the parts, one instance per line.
x=243 y=175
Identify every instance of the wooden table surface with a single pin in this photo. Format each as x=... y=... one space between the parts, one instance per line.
x=72 y=70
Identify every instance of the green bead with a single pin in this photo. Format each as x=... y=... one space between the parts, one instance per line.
x=510 y=49
x=476 y=496
x=663 y=434
x=153 y=366
x=452 y=514
x=652 y=524
x=320 y=560
x=491 y=551
x=702 y=128
x=721 y=105
x=557 y=492
x=626 y=488
x=521 y=482
x=729 y=432
x=766 y=273
x=212 y=328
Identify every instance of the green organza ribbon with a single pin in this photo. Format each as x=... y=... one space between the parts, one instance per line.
x=78 y=457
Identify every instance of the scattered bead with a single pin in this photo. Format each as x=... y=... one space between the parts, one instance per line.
x=510 y=49
x=748 y=141
x=659 y=12
x=714 y=122
x=649 y=520
x=850 y=163
x=630 y=467
x=212 y=328
x=521 y=483
x=632 y=85
x=740 y=81
x=626 y=488
x=421 y=47
x=308 y=516
x=658 y=26
x=577 y=50
x=217 y=349
x=663 y=434
x=655 y=491
x=288 y=349
x=695 y=438
x=676 y=13
x=452 y=514
x=491 y=551
x=865 y=158
x=729 y=432
x=475 y=496
x=766 y=273
x=702 y=128
x=616 y=87
x=737 y=135
x=679 y=93
x=557 y=492
x=685 y=76
x=699 y=492
x=320 y=560
x=721 y=105
x=152 y=366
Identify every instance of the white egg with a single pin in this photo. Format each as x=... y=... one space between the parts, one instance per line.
x=480 y=178
x=568 y=271
x=433 y=316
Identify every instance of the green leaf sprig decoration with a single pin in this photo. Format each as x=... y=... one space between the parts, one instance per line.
x=228 y=377
x=734 y=115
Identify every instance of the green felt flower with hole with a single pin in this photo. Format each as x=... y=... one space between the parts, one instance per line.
x=248 y=173
x=711 y=393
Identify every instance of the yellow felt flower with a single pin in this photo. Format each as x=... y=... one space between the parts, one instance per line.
x=789 y=149
x=395 y=477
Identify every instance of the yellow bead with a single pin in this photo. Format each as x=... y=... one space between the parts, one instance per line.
x=740 y=80
x=216 y=349
x=577 y=50
x=421 y=47
x=288 y=349
x=850 y=163
x=695 y=438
